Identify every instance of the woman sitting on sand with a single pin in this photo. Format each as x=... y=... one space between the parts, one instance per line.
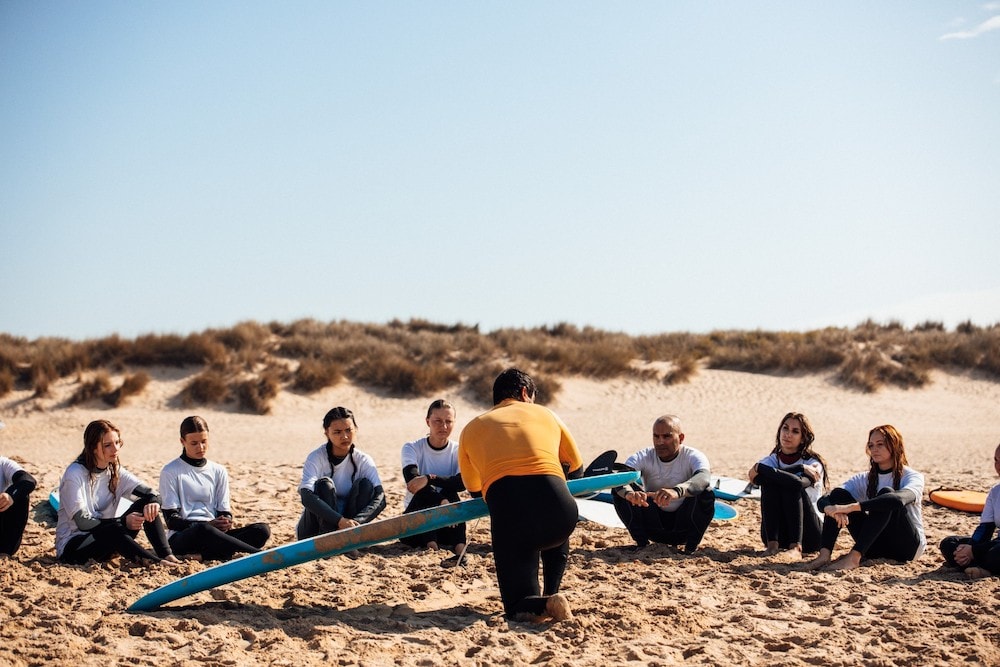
x=340 y=485
x=791 y=479
x=89 y=493
x=430 y=469
x=16 y=485
x=880 y=507
x=979 y=555
x=196 y=506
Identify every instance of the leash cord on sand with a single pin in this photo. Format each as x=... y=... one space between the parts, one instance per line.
x=465 y=547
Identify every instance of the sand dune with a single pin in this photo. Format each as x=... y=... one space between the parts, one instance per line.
x=392 y=605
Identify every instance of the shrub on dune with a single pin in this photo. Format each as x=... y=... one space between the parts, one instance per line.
x=132 y=385
x=88 y=390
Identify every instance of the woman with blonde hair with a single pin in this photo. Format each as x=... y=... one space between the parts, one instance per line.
x=880 y=507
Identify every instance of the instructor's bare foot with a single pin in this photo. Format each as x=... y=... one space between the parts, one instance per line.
x=819 y=562
x=848 y=561
x=557 y=606
x=976 y=572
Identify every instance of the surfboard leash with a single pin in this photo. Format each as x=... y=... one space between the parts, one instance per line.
x=461 y=556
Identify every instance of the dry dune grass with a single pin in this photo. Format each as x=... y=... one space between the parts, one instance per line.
x=250 y=363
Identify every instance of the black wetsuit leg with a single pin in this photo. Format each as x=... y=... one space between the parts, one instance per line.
x=532 y=518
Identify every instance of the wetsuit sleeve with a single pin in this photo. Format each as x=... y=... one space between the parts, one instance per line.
x=984 y=532
x=174 y=520
x=823 y=503
x=317 y=506
x=410 y=473
x=889 y=501
x=22 y=484
x=452 y=484
x=788 y=477
x=85 y=522
x=372 y=509
x=697 y=484
x=145 y=493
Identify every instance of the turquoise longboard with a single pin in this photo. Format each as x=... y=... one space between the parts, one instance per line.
x=341 y=541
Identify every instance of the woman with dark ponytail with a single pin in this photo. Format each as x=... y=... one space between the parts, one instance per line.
x=880 y=507
x=791 y=479
x=89 y=526
x=340 y=486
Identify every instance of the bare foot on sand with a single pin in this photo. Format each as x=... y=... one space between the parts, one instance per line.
x=771 y=550
x=848 y=561
x=792 y=554
x=976 y=572
x=820 y=561
x=557 y=607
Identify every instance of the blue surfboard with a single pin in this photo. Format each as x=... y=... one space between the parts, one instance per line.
x=341 y=541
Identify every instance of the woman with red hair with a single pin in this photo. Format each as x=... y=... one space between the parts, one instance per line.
x=880 y=507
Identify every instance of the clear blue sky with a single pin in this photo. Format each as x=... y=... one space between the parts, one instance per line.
x=639 y=167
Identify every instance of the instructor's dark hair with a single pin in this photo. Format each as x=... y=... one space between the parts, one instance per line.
x=509 y=384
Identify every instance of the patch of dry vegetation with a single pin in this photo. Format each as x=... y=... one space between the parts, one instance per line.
x=250 y=363
x=132 y=385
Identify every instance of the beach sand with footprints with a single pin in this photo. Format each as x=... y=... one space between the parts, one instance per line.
x=392 y=605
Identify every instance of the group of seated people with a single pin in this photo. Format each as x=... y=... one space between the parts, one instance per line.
x=103 y=506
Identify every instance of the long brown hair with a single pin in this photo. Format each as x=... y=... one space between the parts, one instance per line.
x=92 y=436
x=805 y=447
x=894 y=441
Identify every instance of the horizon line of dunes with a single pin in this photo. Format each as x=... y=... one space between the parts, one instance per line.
x=249 y=363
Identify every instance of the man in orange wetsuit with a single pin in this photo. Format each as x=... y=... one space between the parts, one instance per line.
x=518 y=456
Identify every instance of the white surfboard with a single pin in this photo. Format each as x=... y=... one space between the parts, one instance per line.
x=730 y=488
x=599 y=512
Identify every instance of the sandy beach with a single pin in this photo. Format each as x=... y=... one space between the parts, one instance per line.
x=393 y=605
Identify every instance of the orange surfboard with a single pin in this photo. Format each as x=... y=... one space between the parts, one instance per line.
x=966 y=501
